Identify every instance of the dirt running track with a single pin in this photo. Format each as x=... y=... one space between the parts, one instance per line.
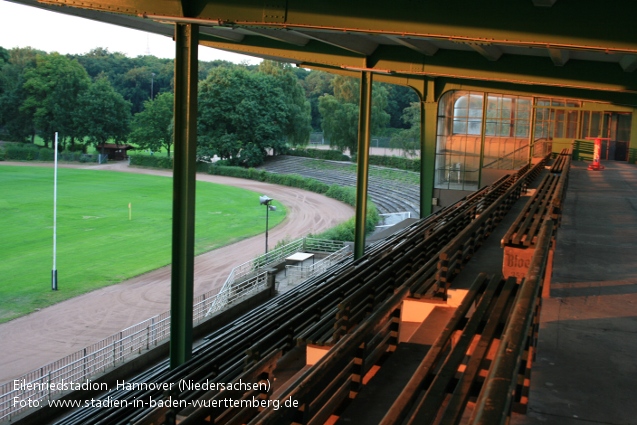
x=32 y=341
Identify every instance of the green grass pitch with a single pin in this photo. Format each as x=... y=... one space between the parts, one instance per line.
x=97 y=244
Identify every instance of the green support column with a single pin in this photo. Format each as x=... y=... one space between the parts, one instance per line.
x=428 y=121
x=364 y=137
x=632 y=143
x=184 y=168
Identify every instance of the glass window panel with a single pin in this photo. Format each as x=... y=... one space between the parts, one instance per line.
x=523 y=105
x=596 y=124
x=490 y=128
x=460 y=126
x=623 y=127
x=474 y=126
x=571 y=129
x=586 y=119
x=442 y=127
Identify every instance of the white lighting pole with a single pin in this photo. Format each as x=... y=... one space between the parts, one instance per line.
x=54 y=273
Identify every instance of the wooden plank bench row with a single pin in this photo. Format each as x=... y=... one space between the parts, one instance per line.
x=484 y=355
x=506 y=386
x=454 y=368
x=562 y=161
x=417 y=261
x=545 y=204
x=300 y=316
x=346 y=306
x=457 y=253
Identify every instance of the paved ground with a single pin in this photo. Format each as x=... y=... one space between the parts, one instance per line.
x=57 y=331
x=586 y=366
x=585 y=371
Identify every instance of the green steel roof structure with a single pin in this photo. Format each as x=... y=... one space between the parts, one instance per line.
x=585 y=49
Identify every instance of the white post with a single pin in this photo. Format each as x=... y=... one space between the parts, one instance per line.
x=54 y=273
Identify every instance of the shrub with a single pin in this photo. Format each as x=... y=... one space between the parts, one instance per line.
x=82 y=157
x=342 y=232
x=22 y=152
x=343 y=194
x=151 y=161
x=203 y=167
x=345 y=231
x=397 y=162
x=46 y=154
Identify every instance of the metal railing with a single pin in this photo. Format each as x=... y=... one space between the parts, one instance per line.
x=391 y=219
x=252 y=267
x=58 y=377
x=47 y=382
x=296 y=274
x=236 y=292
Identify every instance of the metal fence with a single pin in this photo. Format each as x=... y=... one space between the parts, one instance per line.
x=47 y=382
x=391 y=219
x=249 y=269
x=232 y=294
x=36 y=387
x=53 y=379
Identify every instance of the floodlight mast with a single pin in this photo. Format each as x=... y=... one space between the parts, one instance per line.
x=54 y=272
x=264 y=200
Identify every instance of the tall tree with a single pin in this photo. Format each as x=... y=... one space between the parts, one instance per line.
x=408 y=139
x=398 y=98
x=53 y=88
x=153 y=127
x=102 y=113
x=317 y=84
x=4 y=56
x=137 y=85
x=298 y=127
x=340 y=112
x=242 y=114
x=16 y=123
x=137 y=79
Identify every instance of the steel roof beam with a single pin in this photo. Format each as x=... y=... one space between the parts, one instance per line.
x=628 y=63
x=573 y=25
x=487 y=50
x=421 y=46
x=559 y=56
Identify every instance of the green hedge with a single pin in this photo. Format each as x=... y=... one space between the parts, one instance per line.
x=22 y=153
x=76 y=156
x=34 y=153
x=162 y=162
x=397 y=162
x=152 y=161
x=342 y=232
x=331 y=154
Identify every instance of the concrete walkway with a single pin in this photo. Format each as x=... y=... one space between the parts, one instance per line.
x=586 y=369
x=586 y=366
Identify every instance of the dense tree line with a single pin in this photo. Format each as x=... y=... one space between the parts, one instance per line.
x=244 y=111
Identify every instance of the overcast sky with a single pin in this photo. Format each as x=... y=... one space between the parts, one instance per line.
x=25 y=26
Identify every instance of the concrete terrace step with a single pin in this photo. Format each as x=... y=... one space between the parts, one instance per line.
x=390 y=196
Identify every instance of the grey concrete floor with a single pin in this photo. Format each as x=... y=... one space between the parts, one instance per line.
x=586 y=366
